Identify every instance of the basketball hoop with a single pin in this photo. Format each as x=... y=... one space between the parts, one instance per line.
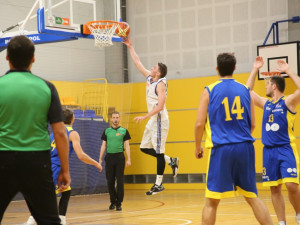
x=102 y=31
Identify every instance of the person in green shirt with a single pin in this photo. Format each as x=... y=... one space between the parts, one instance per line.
x=114 y=140
x=27 y=104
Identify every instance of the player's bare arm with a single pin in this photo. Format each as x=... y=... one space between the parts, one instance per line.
x=62 y=146
x=252 y=115
x=200 y=123
x=127 y=150
x=136 y=58
x=75 y=139
x=162 y=96
x=292 y=100
x=102 y=151
x=258 y=100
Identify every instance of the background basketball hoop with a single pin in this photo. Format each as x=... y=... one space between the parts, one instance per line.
x=103 y=31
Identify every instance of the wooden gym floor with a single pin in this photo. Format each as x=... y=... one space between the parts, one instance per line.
x=176 y=207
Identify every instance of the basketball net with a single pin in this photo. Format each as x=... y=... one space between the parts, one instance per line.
x=103 y=32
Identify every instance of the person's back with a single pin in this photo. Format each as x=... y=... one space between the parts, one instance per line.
x=27 y=104
x=229 y=113
x=24 y=94
x=226 y=113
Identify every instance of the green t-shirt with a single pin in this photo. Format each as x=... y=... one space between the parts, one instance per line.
x=27 y=103
x=115 y=138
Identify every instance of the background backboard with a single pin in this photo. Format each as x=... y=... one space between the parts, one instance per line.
x=288 y=52
x=60 y=20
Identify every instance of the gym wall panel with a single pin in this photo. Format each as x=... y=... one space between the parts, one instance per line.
x=193 y=30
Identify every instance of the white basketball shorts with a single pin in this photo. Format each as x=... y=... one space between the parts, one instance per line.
x=155 y=135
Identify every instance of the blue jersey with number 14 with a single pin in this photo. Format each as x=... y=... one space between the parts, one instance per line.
x=229 y=113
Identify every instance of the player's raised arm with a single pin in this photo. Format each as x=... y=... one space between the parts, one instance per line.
x=258 y=100
x=252 y=115
x=294 y=99
x=75 y=139
x=136 y=58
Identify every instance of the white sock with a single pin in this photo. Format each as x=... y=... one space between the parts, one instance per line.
x=158 y=179
x=167 y=159
x=63 y=220
x=298 y=218
x=30 y=221
x=281 y=223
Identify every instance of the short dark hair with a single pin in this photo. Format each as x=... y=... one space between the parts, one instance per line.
x=114 y=112
x=226 y=63
x=68 y=116
x=279 y=81
x=163 y=69
x=20 y=51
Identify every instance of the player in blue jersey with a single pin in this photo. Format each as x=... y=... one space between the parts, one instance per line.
x=280 y=157
x=226 y=114
x=74 y=145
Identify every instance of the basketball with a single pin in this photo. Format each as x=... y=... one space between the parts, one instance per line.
x=122 y=29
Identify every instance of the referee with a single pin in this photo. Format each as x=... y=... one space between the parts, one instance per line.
x=114 y=140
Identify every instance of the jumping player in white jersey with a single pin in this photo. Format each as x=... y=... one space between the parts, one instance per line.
x=157 y=128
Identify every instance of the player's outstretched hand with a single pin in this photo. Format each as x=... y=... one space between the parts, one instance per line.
x=139 y=119
x=258 y=63
x=63 y=180
x=199 y=152
x=127 y=41
x=282 y=66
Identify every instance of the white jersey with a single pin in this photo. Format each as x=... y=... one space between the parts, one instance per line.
x=152 y=98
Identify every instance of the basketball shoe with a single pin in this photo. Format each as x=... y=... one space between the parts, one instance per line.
x=174 y=165
x=155 y=189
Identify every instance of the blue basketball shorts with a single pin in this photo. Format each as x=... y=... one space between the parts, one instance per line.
x=280 y=165
x=55 y=173
x=231 y=171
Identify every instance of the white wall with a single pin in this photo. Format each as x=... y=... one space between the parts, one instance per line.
x=188 y=34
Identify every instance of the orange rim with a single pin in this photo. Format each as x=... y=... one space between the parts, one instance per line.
x=99 y=24
x=273 y=73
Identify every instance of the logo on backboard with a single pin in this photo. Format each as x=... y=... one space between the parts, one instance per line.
x=62 y=21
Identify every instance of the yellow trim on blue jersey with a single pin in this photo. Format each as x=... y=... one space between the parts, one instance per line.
x=247 y=194
x=290 y=117
x=211 y=86
x=69 y=128
x=57 y=190
x=220 y=195
x=208 y=141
